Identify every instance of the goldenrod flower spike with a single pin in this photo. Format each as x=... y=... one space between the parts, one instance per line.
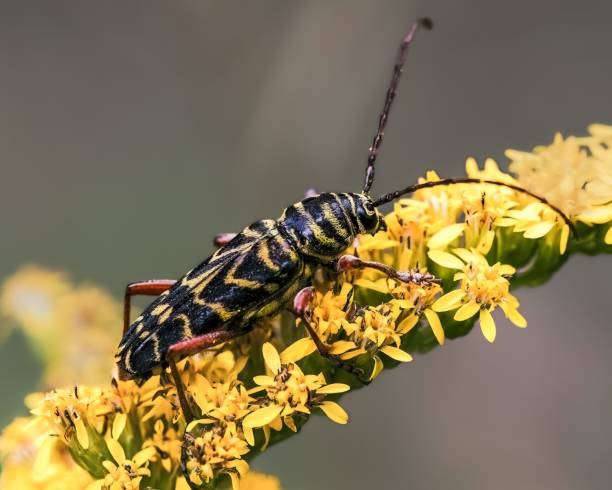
x=258 y=389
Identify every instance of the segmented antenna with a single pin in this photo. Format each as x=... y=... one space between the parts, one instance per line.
x=426 y=23
x=392 y=196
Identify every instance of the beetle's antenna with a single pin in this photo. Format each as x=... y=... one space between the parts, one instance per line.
x=398 y=68
x=392 y=196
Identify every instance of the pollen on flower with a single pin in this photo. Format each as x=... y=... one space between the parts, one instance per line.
x=214 y=451
x=74 y=414
x=290 y=392
x=483 y=288
x=124 y=473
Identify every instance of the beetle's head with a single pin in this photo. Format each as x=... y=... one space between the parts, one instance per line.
x=370 y=219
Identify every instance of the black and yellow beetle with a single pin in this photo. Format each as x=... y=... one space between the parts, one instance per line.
x=264 y=267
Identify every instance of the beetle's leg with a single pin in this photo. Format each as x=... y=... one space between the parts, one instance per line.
x=153 y=287
x=301 y=305
x=223 y=239
x=180 y=390
x=348 y=263
x=188 y=348
x=311 y=192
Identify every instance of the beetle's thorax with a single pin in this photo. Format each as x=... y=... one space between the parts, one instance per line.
x=325 y=225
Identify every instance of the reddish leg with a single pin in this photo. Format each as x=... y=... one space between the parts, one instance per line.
x=153 y=287
x=348 y=263
x=223 y=239
x=187 y=348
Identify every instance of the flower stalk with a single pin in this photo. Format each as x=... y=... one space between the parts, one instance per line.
x=482 y=241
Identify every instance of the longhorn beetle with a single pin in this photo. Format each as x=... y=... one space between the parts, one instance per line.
x=257 y=272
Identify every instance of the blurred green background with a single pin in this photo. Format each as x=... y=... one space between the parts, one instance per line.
x=132 y=132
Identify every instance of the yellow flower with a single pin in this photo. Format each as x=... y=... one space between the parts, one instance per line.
x=219 y=364
x=328 y=311
x=167 y=445
x=483 y=288
x=29 y=297
x=77 y=415
x=225 y=404
x=123 y=473
x=50 y=310
x=91 y=318
x=289 y=391
x=577 y=181
x=22 y=469
x=258 y=481
x=215 y=451
x=409 y=301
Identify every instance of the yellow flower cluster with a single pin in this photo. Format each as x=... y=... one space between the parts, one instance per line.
x=73 y=329
x=252 y=391
x=573 y=173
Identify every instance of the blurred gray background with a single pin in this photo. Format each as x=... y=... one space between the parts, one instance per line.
x=132 y=132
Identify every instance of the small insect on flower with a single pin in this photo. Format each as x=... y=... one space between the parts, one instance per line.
x=269 y=266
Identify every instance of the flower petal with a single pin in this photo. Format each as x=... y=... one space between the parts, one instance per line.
x=468 y=310
x=466 y=255
x=485 y=242
x=381 y=287
x=196 y=422
x=334 y=388
x=235 y=480
x=341 y=346
x=597 y=214
x=298 y=350
x=262 y=416
x=118 y=425
x=378 y=367
x=445 y=259
x=109 y=466
x=564 y=239
x=539 y=230
x=116 y=450
x=141 y=457
x=449 y=301
x=407 y=324
x=43 y=456
x=335 y=412
x=249 y=435
x=353 y=353
x=608 y=237
x=487 y=325
x=81 y=433
x=271 y=357
x=263 y=380
x=396 y=353
x=435 y=324
x=446 y=235
x=514 y=316
x=95 y=485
